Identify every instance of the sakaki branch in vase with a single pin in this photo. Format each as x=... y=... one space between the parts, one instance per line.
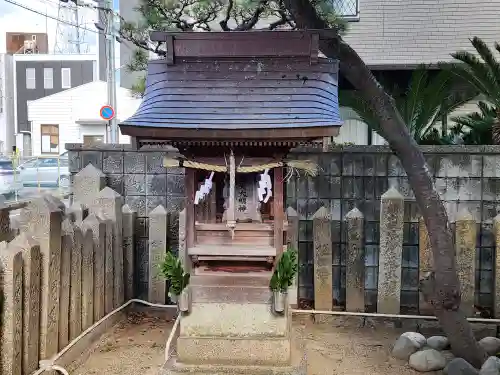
x=179 y=291
x=283 y=276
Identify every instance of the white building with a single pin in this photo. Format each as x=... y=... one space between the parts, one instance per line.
x=74 y=115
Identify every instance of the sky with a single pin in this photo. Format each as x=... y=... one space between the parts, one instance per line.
x=14 y=18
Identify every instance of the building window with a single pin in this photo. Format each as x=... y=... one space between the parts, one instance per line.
x=89 y=140
x=30 y=78
x=66 y=78
x=48 y=78
x=49 y=139
x=33 y=37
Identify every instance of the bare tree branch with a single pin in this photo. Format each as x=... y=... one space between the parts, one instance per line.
x=252 y=21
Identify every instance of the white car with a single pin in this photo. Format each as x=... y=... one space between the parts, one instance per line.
x=45 y=172
x=7 y=179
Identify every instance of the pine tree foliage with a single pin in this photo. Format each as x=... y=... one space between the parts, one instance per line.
x=206 y=15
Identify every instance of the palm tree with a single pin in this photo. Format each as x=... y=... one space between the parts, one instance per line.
x=422 y=105
x=483 y=74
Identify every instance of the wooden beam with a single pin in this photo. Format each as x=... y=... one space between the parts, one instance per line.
x=278 y=210
x=190 y=183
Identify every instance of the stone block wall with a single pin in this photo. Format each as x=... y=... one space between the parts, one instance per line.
x=468 y=178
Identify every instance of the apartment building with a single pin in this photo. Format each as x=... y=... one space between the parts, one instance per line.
x=38 y=76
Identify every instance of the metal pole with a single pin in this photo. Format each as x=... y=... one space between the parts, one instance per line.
x=110 y=47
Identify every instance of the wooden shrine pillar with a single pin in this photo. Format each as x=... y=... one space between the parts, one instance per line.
x=279 y=213
x=231 y=211
x=190 y=183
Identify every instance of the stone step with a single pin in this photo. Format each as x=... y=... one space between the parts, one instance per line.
x=234 y=351
x=247 y=250
x=230 y=289
x=173 y=367
x=227 y=320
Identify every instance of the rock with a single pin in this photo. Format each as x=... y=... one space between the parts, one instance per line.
x=490 y=367
x=490 y=344
x=427 y=360
x=418 y=338
x=404 y=348
x=448 y=355
x=459 y=366
x=438 y=342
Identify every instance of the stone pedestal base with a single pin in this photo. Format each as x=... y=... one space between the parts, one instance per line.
x=173 y=367
x=232 y=329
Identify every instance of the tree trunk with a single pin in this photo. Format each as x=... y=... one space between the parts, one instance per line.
x=440 y=289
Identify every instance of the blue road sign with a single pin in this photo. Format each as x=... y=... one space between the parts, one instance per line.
x=107 y=112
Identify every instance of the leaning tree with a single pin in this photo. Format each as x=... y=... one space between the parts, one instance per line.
x=440 y=289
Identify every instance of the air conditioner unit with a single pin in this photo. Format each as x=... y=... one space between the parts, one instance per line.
x=29 y=46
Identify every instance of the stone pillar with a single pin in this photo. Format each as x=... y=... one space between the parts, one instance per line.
x=11 y=329
x=110 y=202
x=97 y=225
x=425 y=263
x=87 y=277
x=75 y=301
x=323 y=278
x=355 y=270
x=183 y=255
x=43 y=218
x=87 y=184
x=31 y=299
x=77 y=212
x=496 y=295
x=5 y=229
x=64 y=301
x=292 y=241
x=465 y=243
x=129 y=217
x=157 y=251
x=109 y=264
x=391 y=252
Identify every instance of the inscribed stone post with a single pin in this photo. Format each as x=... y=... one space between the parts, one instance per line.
x=465 y=243
x=31 y=299
x=42 y=218
x=87 y=277
x=323 y=278
x=11 y=329
x=157 y=251
x=109 y=265
x=183 y=255
x=87 y=184
x=110 y=202
x=496 y=295
x=96 y=223
x=129 y=217
x=391 y=251
x=425 y=263
x=77 y=212
x=355 y=270
x=64 y=300
x=75 y=304
x=5 y=229
x=292 y=242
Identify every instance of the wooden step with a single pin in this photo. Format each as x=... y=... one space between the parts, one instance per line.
x=238 y=227
x=244 y=234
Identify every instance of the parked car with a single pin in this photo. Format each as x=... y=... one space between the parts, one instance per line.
x=45 y=172
x=7 y=178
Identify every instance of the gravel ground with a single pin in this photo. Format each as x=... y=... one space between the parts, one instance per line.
x=136 y=347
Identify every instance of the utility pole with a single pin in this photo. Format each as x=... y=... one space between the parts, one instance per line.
x=110 y=67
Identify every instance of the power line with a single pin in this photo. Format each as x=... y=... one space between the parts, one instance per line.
x=51 y=17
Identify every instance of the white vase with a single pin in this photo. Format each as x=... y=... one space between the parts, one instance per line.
x=279 y=299
x=184 y=300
